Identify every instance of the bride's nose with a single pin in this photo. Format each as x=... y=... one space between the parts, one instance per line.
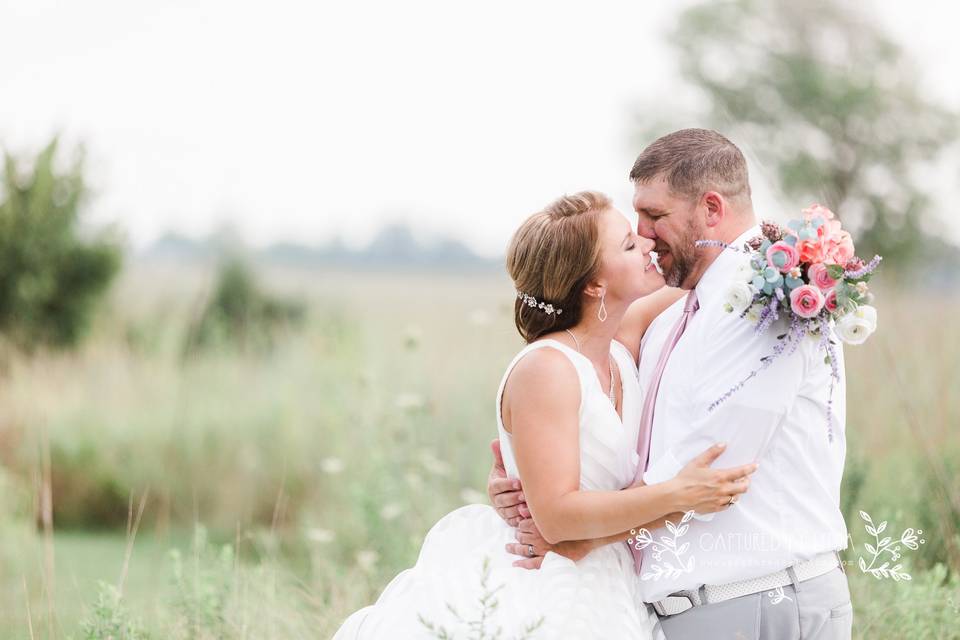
x=646 y=244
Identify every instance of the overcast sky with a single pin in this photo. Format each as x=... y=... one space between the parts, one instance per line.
x=302 y=121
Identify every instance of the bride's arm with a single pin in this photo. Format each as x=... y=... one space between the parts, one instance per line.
x=543 y=400
x=641 y=313
x=528 y=534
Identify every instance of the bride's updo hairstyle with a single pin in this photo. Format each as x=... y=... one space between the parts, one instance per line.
x=552 y=257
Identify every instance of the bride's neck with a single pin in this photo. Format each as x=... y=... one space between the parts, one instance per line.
x=594 y=336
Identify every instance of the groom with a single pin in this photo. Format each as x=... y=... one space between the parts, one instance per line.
x=768 y=566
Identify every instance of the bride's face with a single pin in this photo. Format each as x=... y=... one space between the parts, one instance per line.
x=625 y=263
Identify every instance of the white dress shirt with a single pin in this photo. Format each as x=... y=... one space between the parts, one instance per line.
x=779 y=419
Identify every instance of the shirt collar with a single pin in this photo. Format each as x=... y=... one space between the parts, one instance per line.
x=719 y=274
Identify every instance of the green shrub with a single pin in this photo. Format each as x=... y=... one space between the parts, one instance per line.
x=50 y=277
x=240 y=314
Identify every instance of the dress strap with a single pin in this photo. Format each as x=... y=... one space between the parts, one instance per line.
x=574 y=357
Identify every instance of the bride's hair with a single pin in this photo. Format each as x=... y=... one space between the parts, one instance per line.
x=552 y=257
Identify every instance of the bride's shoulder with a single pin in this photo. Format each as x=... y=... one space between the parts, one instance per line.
x=544 y=380
x=543 y=364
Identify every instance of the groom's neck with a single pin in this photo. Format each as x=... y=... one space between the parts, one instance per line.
x=735 y=226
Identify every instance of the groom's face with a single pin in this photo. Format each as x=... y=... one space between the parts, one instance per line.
x=674 y=225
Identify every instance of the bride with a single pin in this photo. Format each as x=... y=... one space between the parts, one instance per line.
x=568 y=415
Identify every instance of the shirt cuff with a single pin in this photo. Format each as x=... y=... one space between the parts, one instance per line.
x=664 y=468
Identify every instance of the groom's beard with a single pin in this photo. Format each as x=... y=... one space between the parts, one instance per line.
x=683 y=258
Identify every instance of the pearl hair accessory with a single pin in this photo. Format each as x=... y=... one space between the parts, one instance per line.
x=530 y=301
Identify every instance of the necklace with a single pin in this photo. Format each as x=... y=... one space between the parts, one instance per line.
x=610 y=394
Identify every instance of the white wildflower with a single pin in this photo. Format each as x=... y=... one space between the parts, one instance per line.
x=332 y=465
x=434 y=465
x=409 y=401
x=472 y=496
x=320 y=536
x=391 y=511
x=367 y=559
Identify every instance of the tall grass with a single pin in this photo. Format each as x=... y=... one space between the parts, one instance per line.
x=316 y=467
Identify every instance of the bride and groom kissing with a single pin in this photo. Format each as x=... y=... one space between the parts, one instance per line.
x=625 y=505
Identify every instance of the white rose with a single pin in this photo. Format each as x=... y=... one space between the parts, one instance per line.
x=869 y=314
x=745 y=272
x=855 y=327
x=739 y=296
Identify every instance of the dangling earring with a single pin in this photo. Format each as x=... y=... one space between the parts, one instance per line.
x=602 y=311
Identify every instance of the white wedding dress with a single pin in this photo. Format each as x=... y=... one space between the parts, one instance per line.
x=596 y=597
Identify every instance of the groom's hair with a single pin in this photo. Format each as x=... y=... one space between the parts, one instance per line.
x=694 y=161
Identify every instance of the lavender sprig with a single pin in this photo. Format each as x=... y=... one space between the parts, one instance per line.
x=866 y=269
x=719 y=244
x=827 y=345
x=792 y=336
x=768 y=316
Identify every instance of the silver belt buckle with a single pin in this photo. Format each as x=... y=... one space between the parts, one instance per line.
x=673 y=599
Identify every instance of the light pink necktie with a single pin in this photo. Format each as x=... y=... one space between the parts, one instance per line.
x=650 y=400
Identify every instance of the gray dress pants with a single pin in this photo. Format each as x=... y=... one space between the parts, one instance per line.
x=815 y=609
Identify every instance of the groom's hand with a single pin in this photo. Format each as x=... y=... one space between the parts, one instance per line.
x=528 y=535
x=506 y=494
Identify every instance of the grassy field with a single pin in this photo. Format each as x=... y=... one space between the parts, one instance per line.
x=285 y=486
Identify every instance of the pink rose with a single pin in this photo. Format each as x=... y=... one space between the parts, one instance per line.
x=812 y=250
x=830 y=302
x=840 y=246
x=820 y=277
x=815 y=210
x=782 y=256
x=806 y=301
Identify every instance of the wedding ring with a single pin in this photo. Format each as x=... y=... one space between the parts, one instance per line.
x=530 y=552
x=733 y=499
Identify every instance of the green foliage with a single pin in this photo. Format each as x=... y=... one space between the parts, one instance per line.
x=109 y=619
x=202 y=589
x=50 y=276
x=831 y=103
x=239 y=313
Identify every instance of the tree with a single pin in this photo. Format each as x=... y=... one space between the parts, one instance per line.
x=50 y=276
x=828 y=101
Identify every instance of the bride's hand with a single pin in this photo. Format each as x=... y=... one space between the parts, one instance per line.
x=529 y=539
x=529 y=535
x=704 y=490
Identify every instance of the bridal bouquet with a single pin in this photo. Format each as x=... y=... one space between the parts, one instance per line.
x=808 y=274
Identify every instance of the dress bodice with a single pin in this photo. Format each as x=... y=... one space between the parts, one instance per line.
x=608 y=456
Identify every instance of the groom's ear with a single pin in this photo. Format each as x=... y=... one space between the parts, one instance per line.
x=715 y=207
